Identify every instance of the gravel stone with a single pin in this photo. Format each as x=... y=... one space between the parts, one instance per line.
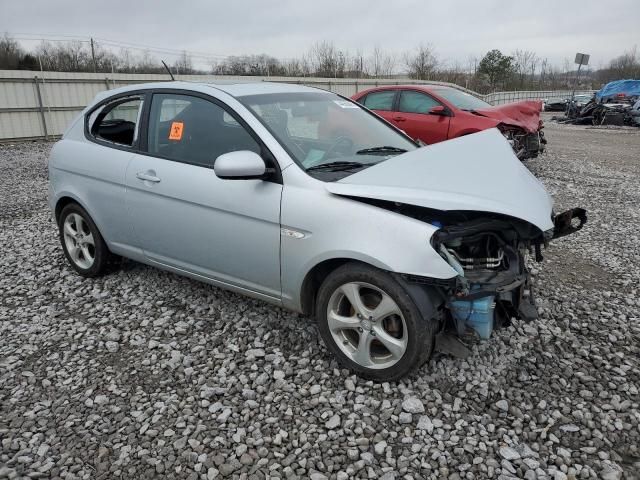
x=333 y=422
x=509 y=453
x=250 y=392
x=380 y=447
x=405 y=418
x=412 y=405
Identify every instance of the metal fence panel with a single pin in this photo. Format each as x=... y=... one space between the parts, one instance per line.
x=17 y=95
x=39 y=104
x=15 y=125
x=499 y=98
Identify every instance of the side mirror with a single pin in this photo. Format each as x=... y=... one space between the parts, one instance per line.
x=240 y=165
x=439 y=110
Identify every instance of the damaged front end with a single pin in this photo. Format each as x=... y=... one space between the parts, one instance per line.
x=525 y=144
x=489 y=215
x=489 y=252
x=493 y=283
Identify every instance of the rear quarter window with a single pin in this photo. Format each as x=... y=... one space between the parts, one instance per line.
x=116 y=122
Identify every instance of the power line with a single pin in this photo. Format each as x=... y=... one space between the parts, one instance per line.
x=179 y=51
x=200 y=57
x=115 y=43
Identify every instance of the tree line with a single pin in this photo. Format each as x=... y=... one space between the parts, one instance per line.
x=518 y=70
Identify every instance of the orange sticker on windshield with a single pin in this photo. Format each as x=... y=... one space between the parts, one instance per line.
x=175 y=133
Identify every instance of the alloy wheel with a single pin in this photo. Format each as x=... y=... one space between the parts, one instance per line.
x=79 y=241
x=367 y=325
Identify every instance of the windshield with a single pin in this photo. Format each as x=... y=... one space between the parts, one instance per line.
x=460 y=99
x=326 y=133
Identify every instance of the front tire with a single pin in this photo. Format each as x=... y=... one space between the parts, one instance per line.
x=371 y=324
x=81 y=241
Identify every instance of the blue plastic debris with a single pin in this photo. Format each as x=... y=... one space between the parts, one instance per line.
x=477 y=314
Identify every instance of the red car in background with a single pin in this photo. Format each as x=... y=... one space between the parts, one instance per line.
x=434 y=113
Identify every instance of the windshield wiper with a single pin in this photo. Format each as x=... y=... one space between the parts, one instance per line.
x=383 y=149
x=335 y=166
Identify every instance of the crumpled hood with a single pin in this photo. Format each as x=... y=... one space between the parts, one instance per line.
x=477 y=172
x=525 y=114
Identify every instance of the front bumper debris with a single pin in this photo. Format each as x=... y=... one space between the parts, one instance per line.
x=564 y=223
x=495 y=287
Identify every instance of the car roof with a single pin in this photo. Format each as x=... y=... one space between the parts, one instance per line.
x=429 y=88
x=415 y=86
x=234 y=88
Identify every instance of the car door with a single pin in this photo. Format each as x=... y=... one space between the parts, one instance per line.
x=187 y=218
x=382 y=102
x=414 y=118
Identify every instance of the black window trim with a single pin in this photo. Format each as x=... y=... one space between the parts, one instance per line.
x=274 y=172
x=140 y=145
x=118 y=99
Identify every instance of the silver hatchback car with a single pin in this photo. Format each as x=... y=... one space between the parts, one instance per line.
x=305 y=199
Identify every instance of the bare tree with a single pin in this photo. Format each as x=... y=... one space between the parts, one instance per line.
x=421 y=63
x=524 y=63
x=626 y=65
x=544 y=72
x=10 y=53
x=380 y=63
x=324 y=59
x=183 y=65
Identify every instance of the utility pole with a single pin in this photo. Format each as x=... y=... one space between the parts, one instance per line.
x=93 y=56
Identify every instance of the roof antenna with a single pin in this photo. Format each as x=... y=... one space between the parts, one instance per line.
x=168 y=70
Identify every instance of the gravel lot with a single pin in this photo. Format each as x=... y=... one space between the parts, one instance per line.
x=144 y=374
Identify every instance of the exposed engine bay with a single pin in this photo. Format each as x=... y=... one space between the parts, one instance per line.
x=489 y=252
x=493 y=285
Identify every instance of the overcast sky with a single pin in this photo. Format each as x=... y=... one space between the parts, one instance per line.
x=457 y=29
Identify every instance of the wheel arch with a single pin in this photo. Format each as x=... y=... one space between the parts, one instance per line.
x=314 y=278
x=67 y=199
x=62 y=202
x=427 y=299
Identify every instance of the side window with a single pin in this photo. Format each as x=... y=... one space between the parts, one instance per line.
x=416 y=102
x=380 y=100
x=117 y=122
x=194 y=130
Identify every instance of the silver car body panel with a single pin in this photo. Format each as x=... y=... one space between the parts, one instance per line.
x=263 y=238
x=474 y=172
x=192 y=220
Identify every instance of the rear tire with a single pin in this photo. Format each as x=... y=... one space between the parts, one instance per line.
x=81 y=241
x=371 y=324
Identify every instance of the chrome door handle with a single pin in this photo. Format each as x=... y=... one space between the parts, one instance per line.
x=147 y=177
